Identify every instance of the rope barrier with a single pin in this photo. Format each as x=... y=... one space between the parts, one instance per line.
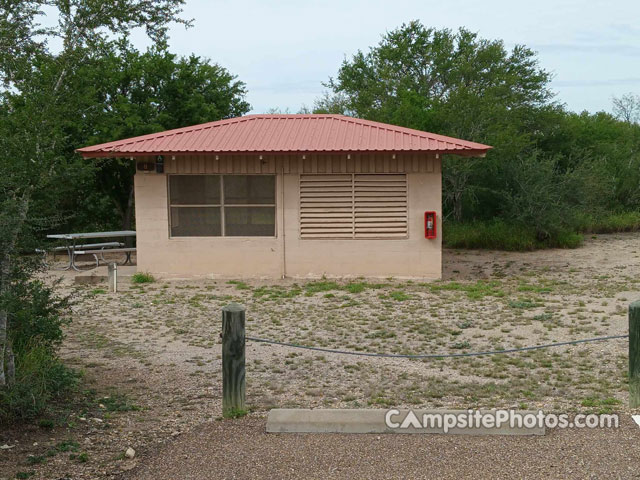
x=435 y=355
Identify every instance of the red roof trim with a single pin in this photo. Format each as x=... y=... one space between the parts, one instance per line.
x=268 y=134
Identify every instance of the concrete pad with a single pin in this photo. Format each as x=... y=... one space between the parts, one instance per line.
x=100 y=275
x=415 y=421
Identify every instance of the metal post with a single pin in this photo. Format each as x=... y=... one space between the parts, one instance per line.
x=634 y=354
x=112 y=268
x=233 y=355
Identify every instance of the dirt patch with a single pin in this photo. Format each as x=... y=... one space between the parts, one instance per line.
x=151 y=352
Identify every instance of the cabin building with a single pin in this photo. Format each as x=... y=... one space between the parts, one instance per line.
x=271 y=196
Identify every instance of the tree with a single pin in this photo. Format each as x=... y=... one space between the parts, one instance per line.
x=453 y=83
x=32 y=110
x=627 y=108
x=125 y=93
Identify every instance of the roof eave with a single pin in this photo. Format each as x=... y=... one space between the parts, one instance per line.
x=460 y=152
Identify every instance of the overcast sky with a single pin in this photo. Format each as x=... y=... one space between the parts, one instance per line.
x=284 y=49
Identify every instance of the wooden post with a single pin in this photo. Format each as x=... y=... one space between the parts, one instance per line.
x=112 y=270
x=634 y=354
x=233 y=381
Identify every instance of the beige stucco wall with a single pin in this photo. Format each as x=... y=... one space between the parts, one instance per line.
x=287 y=253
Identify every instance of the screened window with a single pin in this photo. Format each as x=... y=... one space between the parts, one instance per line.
x=222 y=205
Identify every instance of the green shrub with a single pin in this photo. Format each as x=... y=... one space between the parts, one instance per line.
x=40 y=378
x=35 y=312
x=142 y=277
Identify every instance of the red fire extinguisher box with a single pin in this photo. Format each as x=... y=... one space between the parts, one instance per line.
x=430 y=225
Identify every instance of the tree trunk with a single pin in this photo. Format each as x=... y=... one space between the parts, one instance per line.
x=11 y=365
x=457 y=206
x=7 y=361
x=3 y=345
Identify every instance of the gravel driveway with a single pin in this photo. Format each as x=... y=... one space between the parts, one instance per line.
x=240 y=449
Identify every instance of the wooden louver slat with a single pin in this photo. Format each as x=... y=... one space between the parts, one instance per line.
x=353 y=206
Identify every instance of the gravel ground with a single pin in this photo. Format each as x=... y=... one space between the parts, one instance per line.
x=240 y=449
x=151 y=361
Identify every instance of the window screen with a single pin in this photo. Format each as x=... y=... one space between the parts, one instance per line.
x=196 y=222
x=195 y=189
x=222 y=205
x=249 y=221
x=353 y=206
x=249 y=189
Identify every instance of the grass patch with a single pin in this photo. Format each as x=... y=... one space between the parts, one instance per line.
x=46 y=423
x=399 y=296
x=312 y=288
x=500 y=235
x=240 y=285
x=119 y=403
x=67 y=446
x=615 y=222
x=523 y=303
x=36 y=459
x=355 y=287
x=142 y=277
x=235 y=413
x=474 y=291
x=275 y=292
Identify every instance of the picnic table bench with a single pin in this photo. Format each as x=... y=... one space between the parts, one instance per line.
x=96 y=249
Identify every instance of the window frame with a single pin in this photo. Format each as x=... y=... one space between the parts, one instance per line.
x=222 y=205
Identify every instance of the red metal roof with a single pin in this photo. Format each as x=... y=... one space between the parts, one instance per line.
x=286 y=134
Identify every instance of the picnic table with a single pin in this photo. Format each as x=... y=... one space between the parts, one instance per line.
x=96 y=249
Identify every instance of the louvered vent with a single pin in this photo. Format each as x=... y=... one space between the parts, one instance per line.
x=353 y=206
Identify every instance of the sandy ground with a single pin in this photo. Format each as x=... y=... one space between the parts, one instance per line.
x=151 y=358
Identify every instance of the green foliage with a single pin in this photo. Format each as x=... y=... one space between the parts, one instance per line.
x=475 y=291
x=36 y=314
x=550 y=174
x=233 y=413
x=49 y=105
x=399 y=296
x=119 y=403
x=81 y=457
x=312 y=288
x=67 y=446
x=610 y=223
x=500 y=235
x=240 y=285
x=355 y=287
x=40 y=378
x=142 y=277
